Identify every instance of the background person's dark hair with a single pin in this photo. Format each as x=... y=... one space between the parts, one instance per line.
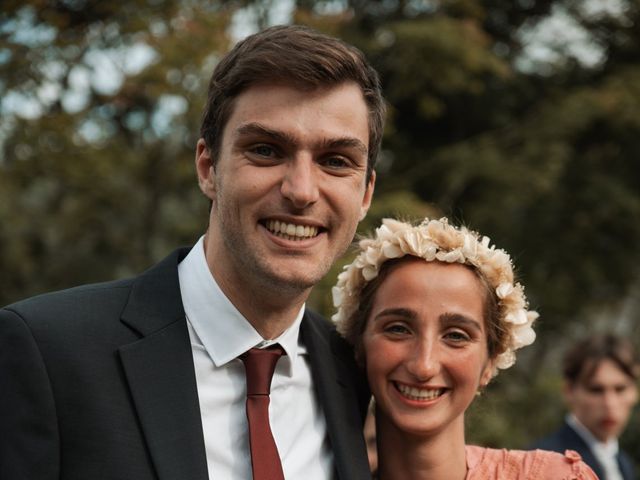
x=294 y=55
x=583 y=358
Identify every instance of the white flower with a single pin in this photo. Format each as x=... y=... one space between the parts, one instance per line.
x=338 y=295
x=369 y=273
x=504 y=290
x=523 y=336
x=453 y=256
x=517 y=317
x=390 y=250
x=506 y=359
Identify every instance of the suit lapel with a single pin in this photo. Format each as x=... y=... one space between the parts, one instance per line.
x=336 y=391
x=159 y=370
x=573 y=441
x=626 y=467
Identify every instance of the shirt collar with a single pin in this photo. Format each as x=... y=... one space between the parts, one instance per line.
x=609 y=448
x=225 y=333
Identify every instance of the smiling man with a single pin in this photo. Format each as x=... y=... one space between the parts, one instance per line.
x=600 y=388
x=148 y=378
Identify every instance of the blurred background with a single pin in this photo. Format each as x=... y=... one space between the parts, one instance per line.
x=519 y=118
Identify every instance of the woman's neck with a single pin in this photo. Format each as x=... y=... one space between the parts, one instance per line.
x=402 y=455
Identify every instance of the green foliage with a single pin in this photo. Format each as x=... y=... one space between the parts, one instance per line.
x=546 y=163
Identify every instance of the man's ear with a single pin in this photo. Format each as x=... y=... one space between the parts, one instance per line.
x=368 y=195
x=567 y=393
x=205 y=169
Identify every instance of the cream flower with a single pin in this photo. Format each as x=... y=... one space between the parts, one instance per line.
x=437 y=240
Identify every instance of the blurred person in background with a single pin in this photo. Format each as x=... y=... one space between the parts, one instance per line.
x=600 y=389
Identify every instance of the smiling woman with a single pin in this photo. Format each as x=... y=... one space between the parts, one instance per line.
x=433 y=312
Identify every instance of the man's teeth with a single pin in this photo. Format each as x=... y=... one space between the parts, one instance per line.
x=291 y=231
x=419 y=393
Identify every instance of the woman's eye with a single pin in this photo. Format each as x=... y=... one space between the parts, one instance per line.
x=396 y=329
x=457 y=336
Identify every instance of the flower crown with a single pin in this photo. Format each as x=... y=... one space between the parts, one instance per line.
x=436 y=240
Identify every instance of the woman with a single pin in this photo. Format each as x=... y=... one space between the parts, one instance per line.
x=433 y=311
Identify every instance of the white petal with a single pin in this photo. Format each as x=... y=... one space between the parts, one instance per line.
x=391 y=250
x=504 y=290
x=337 y=295
x=519 y=317
x=369 y=272
x=524 y=336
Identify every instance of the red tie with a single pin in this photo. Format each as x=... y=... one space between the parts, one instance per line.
x=265 y=460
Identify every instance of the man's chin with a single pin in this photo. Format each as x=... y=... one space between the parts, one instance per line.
x=294 y=281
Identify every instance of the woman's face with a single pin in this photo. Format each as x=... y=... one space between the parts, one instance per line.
x=425 y=345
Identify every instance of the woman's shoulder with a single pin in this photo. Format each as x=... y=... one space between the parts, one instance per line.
x=489 y=463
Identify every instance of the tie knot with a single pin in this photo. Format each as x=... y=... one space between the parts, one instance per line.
x=260 y=365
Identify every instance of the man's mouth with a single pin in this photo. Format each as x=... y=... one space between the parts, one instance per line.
x=291 y=231
x=420 y=394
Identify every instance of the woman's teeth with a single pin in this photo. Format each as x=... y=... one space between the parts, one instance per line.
x=414 y=393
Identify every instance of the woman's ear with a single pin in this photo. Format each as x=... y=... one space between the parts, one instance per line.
x=487 y=373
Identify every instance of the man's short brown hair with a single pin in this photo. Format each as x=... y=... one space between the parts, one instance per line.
x=294 y=55
x=582 y=360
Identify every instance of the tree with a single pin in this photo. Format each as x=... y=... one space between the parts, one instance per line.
x=98 y=181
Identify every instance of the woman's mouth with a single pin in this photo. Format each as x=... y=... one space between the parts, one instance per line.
x=418 y=394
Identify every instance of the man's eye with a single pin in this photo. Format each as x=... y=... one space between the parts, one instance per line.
x=263 y=150
x=335 y=162
x=595 y=390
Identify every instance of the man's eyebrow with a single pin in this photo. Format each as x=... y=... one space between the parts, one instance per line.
x=259 y=129
x=459 y=319
x=345 y=142
x=255 y=128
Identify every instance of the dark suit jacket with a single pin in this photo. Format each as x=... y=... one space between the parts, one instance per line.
x=566 y=438
x=97 y=382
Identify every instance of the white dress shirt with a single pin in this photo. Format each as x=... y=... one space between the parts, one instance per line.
x=605 y=452
x=219 y=334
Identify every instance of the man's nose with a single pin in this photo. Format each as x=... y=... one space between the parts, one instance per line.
x=300 y=182
x=611 y=400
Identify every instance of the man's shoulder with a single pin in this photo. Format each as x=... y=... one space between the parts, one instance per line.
x=326 y=328
x=72 y=297
x=318 y=320
x=561 y=439
x=90 y=299
x=65 y=308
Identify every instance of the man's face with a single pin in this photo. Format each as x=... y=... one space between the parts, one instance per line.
x=603 y=403
x=288 y=188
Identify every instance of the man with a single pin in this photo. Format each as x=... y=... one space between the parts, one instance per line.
x=142 y=378
x=600 y=389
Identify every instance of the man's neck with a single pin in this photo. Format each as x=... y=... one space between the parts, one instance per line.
x=586 y=434
x=270 y=307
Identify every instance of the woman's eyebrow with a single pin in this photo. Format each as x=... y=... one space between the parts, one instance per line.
x=459 y=319
x=395 y=312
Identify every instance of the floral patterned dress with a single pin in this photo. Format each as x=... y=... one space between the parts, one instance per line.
x=494 y=464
